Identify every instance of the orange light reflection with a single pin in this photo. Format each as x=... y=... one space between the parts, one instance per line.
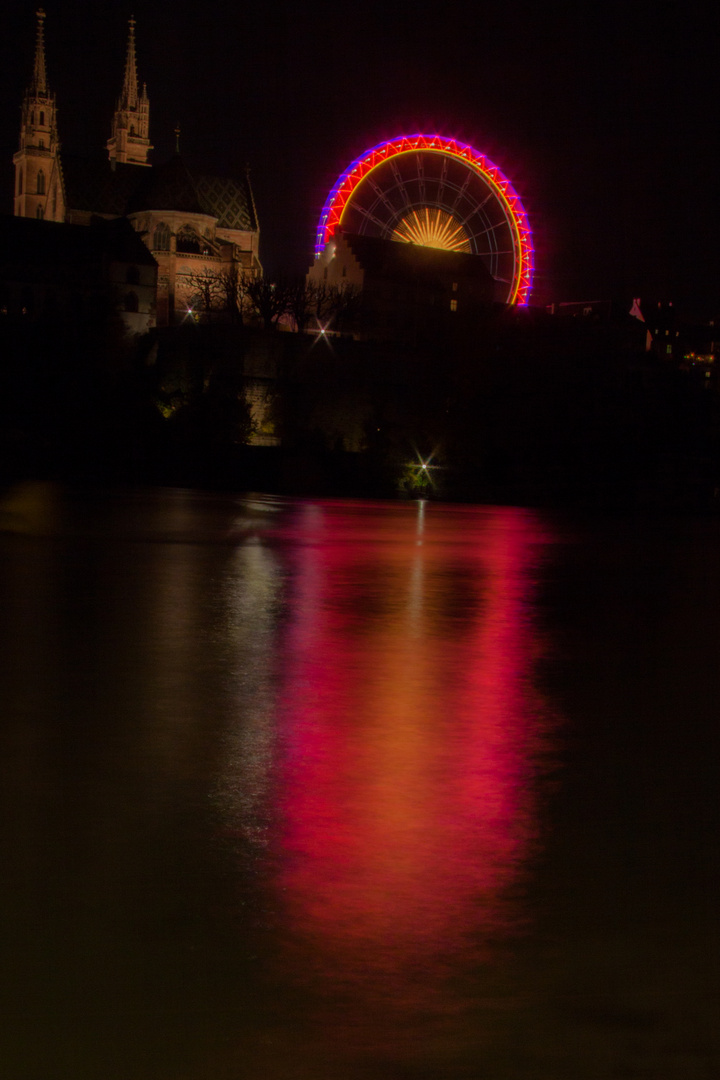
x=413 y=732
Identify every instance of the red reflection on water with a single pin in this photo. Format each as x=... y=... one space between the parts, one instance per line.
x=412 y=732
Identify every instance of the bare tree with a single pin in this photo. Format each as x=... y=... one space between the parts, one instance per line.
x=302 y=301
x=232 y=287
x=267 y=299
x=336 y=306
x=204 y=290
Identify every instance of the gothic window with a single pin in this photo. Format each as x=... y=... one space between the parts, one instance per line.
x=20 y=182
x=41 y=183
x=131 y=301
x=42 y=119
x=39 y=213
x=133 y=275
x=41 y=144
x=188 y=241
x=55 y=200
x=162 y=237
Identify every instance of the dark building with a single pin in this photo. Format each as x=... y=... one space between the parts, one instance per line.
x=404 y=291
x=66 y=273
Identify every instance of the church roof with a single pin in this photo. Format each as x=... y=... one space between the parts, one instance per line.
x=45 y=250
x=94 y=185
x=167 y=187
x=91 y=184
x=230 y=201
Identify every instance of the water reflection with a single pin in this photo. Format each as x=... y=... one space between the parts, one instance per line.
x=272 y=784
x=409 y=735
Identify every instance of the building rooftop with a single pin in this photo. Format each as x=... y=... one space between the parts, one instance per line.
x=394 y=259
x=39 y=250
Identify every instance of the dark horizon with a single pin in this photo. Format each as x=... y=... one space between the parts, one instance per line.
x=603 y=121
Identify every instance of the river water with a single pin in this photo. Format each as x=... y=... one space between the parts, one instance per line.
x=299 y=790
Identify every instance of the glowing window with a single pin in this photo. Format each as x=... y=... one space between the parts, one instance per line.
x=453 y=305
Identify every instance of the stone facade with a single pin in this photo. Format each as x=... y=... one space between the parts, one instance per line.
x=39 y=189
x=196 y=226
x=130 y=139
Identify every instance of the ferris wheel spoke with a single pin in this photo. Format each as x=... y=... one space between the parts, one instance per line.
x=382 y=197
x=493 y=228
x=436 y=192
x=399 y=182
x=421 y=176
x=443 y=178
x=370 y=217
x=462 y=191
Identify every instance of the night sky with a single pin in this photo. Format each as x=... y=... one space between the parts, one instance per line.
x=603 y=115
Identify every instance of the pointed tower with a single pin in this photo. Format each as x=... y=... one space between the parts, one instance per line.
x=38 y=178
x=130 y=139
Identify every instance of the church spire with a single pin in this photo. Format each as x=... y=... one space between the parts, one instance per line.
x=129 y=96
x=38 y=179
x=130 y=139
x=38 y=85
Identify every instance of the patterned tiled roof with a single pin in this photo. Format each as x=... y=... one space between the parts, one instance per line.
x=228 y=200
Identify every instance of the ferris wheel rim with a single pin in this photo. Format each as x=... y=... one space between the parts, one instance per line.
x=500 y=187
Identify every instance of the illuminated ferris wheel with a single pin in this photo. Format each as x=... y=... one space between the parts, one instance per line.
x=436 y=192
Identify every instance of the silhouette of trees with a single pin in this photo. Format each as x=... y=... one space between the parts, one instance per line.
x=267 y=300
x=205 y=292
x=243 y=299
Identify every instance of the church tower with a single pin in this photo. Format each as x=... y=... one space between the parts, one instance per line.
x=130 y=139
x=38 y=180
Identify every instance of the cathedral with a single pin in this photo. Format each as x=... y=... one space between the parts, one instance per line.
x=194 y=225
